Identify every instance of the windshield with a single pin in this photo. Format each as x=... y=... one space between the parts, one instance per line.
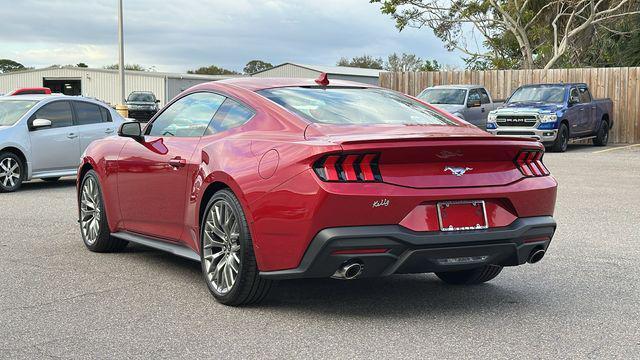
x=444 y=96
x=354 y=106
x=141 y=97
x=543 y=93
x=12 y=110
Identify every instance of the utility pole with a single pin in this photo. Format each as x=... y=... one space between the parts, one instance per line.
x=121 y=108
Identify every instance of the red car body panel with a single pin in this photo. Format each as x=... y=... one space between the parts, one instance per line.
x=267 y=163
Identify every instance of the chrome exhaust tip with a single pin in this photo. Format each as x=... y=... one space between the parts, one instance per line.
x=348 y=271
x=536 y=256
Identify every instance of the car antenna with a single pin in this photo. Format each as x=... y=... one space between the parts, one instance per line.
x=323 y=79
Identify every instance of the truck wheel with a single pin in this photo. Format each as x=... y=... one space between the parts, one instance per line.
x=602 y=137
x=562 y=141
x=470 y=277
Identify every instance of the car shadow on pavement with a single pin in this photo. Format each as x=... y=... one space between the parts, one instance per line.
x=37 y=185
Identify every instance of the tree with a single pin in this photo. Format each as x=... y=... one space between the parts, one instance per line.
x=364 y=61
x=254 y=66
x=515 y=33
x=7 y=65
x=135 y=67
x=212 y=70
x=430 y=65
x=404 y=62
x=83 y=65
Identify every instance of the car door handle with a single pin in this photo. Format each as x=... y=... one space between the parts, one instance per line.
x=177 y=162
x=108 y=131
x=482 y=110
x=72 y=136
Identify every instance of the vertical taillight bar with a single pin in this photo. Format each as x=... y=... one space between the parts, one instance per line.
x=349 y=168
x=529 y=162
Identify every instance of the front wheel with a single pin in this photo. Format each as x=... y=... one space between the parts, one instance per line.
x=93 y=219
x=470 y=277
x=228 y=262
x=11 y=172
x=562 y=141
x=602 y=137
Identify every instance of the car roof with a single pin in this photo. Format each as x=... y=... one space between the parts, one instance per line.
x=555 y=84
x=456 y=86
x=256 y=84
x=32 y=97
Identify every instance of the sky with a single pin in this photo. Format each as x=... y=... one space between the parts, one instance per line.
x=175 y=36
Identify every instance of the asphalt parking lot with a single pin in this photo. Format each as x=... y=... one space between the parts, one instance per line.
x=582 y=301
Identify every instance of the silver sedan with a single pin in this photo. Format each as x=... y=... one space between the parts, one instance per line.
x=43 y=136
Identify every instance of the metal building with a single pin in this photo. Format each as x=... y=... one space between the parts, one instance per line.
x=103 y=84
x=292 y=70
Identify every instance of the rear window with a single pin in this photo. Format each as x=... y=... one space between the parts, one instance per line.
x=12 y=110
x=354 y=106
x=444 y=96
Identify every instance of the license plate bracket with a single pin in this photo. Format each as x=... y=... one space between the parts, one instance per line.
x=462 y=215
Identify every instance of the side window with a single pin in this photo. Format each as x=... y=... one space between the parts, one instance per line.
x=188 y=117
x=484 y=96
x=58 y=112
x=106 y=114
x=88 y=113
x=230 y=115
x=585 y=96
x=474 y=95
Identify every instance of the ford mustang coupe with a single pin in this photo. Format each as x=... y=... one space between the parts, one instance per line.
x=268 y=179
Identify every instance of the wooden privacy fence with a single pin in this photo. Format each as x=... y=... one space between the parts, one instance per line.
x=622 y=85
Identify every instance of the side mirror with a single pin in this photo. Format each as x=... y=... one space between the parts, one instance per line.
x=40 y=123
x=473 y=103
x=130 y=129
x=574 y=100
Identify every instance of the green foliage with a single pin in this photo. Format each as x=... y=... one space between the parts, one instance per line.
x=254 y=66
x=82 y=65
x=7 y=65
x=212 y=70
x=135 y=67
x=364 y=61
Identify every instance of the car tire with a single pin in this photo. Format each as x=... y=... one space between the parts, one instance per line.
x=562 y=141
x=51 y=179
x=94 y=226
x=470 y=277
x=226 y=248
x=602 y=137
x=12 y=172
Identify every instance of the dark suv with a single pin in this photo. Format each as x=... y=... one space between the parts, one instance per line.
x=142 y=105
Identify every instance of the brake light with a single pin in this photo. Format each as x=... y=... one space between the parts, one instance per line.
x=529 y=162
x=349 y=168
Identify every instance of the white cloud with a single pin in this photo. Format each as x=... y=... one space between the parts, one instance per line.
x=178 y=35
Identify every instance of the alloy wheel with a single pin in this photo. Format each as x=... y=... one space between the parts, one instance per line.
x=221 y=247
x=9 y=172
x=90 y=210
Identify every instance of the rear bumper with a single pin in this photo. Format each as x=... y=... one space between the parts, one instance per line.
x=420 y=252
x=545 y=136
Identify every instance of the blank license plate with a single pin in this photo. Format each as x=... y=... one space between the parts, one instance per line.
x=462 y=215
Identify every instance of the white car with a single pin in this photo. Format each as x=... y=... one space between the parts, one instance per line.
x=43 y=136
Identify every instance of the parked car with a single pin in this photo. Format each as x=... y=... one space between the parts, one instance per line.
x=267 y=179
x=142 y=105
x=554 y=114
x=471 y=103
x=43 y=136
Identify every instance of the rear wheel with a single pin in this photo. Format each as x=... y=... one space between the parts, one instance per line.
x=470 y=277
x=93 y=219
x=11 y=172
x=562 y=141
x=228 y=262
x=602 y=137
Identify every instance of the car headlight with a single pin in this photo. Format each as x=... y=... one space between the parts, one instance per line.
x=492 y=118
x=548 y=118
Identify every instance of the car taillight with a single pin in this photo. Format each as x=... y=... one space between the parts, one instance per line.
x=529 y=162
x=349 y=168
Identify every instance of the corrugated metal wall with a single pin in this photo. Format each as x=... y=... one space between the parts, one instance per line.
x=103 y=85
x=177 y=85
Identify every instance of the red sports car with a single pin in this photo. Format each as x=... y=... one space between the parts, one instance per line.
x=267 y=179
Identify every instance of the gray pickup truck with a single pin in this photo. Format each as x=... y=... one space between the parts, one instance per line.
x=471 y=103
x=553 y=114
